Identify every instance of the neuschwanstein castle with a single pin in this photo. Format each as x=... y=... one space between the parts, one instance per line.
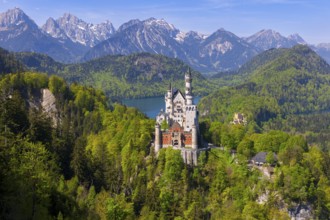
x=181 y=121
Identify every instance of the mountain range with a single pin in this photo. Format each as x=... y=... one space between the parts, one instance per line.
x=20 y=33
x=69 y=39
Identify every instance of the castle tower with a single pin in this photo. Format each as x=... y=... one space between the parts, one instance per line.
x=188 y=80
x=168 y=100
x=182 y=131
x=157 y=138
x=194 y=137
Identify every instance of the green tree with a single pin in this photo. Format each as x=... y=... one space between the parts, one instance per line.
x=270 y=158
x=246 y=147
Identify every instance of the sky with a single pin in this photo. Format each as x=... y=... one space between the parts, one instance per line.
x=309 y=18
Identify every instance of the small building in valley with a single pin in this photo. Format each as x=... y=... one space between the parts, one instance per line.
x=239 y=119
x=261 y=158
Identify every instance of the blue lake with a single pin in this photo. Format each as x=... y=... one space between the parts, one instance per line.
x=150 y=106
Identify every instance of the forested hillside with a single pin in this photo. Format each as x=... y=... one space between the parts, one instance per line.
x=8 y=63
x=97 y=163
x=87 y=160
x=288 y=92
x=137 y=75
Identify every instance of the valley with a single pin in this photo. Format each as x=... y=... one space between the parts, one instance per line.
x=150 y=106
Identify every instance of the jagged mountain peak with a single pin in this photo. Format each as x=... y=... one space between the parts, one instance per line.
x=269 y=31
x=148 y=23
x=222 y=34
x=79 y=31
x=265 y=33
x=15 y=17
x=70 y=17
x=128 y=24
x=153 y=20
x=195 y=34
x=52 y=21
x=159 y=23
x=52 y=28
x=106 y=22
x=222 y=31
x=190 y=37
x=16 y=11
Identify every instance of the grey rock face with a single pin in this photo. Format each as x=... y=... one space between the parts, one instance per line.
x=78 y=30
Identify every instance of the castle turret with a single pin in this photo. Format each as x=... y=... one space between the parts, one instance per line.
x=188 y=80
x=194 y=137
x=157 y=138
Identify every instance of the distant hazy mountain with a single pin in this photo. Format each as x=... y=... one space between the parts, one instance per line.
x=225 y=51
x=267 y=39
x=70 y=27
x=19 y=33
x=323 y=50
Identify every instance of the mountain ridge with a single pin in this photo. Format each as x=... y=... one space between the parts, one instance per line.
x=135 y=75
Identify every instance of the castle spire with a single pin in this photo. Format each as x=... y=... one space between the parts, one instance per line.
x=168 y=100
